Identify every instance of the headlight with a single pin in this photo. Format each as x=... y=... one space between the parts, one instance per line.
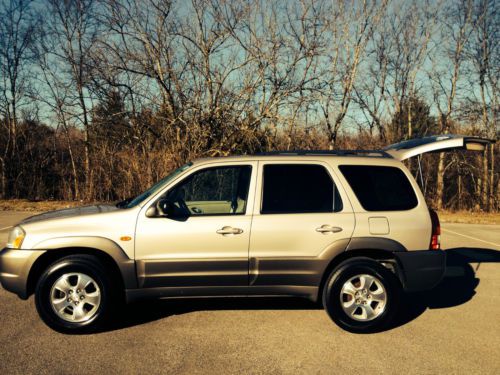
x=16 y=237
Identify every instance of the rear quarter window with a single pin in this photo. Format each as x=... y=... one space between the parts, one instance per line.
x=380 y=188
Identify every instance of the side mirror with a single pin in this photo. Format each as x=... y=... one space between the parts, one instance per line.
x=162 y=208
x=165 y=207
x=151 y=211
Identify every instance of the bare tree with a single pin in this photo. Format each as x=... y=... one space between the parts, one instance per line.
x=350 y=28
x=393 y=69
x=73 y=28
x=281 y=45
x=121 y=91
x=456 y=31
x=57 y=95
x=16 y=38
x=484 y=54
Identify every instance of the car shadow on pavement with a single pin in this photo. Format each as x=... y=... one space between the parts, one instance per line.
x=150 y=310
x=457 y=287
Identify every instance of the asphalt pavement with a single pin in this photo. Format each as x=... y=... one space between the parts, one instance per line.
x=453 y=329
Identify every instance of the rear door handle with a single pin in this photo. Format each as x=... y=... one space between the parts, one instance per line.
x=229 y=230
x=325 y=229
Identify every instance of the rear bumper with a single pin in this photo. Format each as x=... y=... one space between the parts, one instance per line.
x=15 y=266
x=421 y=270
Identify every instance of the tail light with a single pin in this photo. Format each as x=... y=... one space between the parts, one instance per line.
x=436 y=231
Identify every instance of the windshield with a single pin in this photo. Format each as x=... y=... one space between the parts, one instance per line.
x=156 y=187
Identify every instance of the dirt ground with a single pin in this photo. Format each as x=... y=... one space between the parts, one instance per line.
x=469 y=217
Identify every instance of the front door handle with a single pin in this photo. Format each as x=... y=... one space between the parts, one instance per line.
x=325 y=229
x=229 y=230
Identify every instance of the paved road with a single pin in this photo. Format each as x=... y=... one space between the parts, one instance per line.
x=454 y=329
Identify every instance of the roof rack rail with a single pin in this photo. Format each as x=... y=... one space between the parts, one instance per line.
x=368 y=153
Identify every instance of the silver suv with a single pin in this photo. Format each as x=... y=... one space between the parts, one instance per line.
x=348 y=228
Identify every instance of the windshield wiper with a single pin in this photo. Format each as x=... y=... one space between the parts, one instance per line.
x=124 y=203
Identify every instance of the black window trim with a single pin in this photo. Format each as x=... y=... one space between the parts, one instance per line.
x=293 y=162
x=208 y=168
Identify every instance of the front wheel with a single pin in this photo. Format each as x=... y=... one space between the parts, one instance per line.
x=361 y=295
x=74 y=294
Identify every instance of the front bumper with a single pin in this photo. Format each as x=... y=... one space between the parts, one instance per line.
x=421 y=270
x=15 y=266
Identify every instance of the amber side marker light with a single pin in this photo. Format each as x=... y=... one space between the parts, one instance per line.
x=125 y=238
x=18 y=241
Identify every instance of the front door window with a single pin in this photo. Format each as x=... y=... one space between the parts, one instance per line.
x=213 y=191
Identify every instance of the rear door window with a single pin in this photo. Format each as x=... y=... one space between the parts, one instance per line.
x=298 y=188
x=380 y=188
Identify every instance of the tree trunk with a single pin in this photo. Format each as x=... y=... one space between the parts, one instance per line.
x=2 y=179
x=491 y=201
x=86 y=166
x=484 y=192
x=440 y=182
x=410 y=125
x=88 y=194
x=459 y=192
x=76 y=190
x=498 y=193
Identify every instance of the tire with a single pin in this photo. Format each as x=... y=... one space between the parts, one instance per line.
x=353 y=295
x=75 y=294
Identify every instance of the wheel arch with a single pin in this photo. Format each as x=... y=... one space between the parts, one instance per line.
x=109 y=253
x=376 y=254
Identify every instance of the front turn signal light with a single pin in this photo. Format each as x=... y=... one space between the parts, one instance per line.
x=16 y=238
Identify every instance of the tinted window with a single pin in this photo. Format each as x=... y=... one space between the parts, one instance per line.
x=213 y=191
x=380 y=188
x=298 y=188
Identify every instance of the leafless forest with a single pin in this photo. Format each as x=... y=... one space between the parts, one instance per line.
x=99 y=99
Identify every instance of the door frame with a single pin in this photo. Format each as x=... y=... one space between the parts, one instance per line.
x=184 y=266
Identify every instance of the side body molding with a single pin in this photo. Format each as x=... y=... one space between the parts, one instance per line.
x=111 y=248
x=304 y=271
x=375 y=243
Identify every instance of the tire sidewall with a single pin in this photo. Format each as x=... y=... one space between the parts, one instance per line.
x=332 y=291
x=43 y=291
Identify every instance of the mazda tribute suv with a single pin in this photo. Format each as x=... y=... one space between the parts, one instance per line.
x=350 y=229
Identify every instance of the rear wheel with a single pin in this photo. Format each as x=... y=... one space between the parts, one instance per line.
x=361 y=295
x=74 y=294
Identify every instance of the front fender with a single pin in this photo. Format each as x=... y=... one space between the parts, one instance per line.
x=107 y=246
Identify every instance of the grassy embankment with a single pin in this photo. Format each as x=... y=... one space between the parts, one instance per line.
x=40 y=206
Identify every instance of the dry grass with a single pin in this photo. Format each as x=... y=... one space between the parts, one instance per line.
x=38 y=206
x=469 y=217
